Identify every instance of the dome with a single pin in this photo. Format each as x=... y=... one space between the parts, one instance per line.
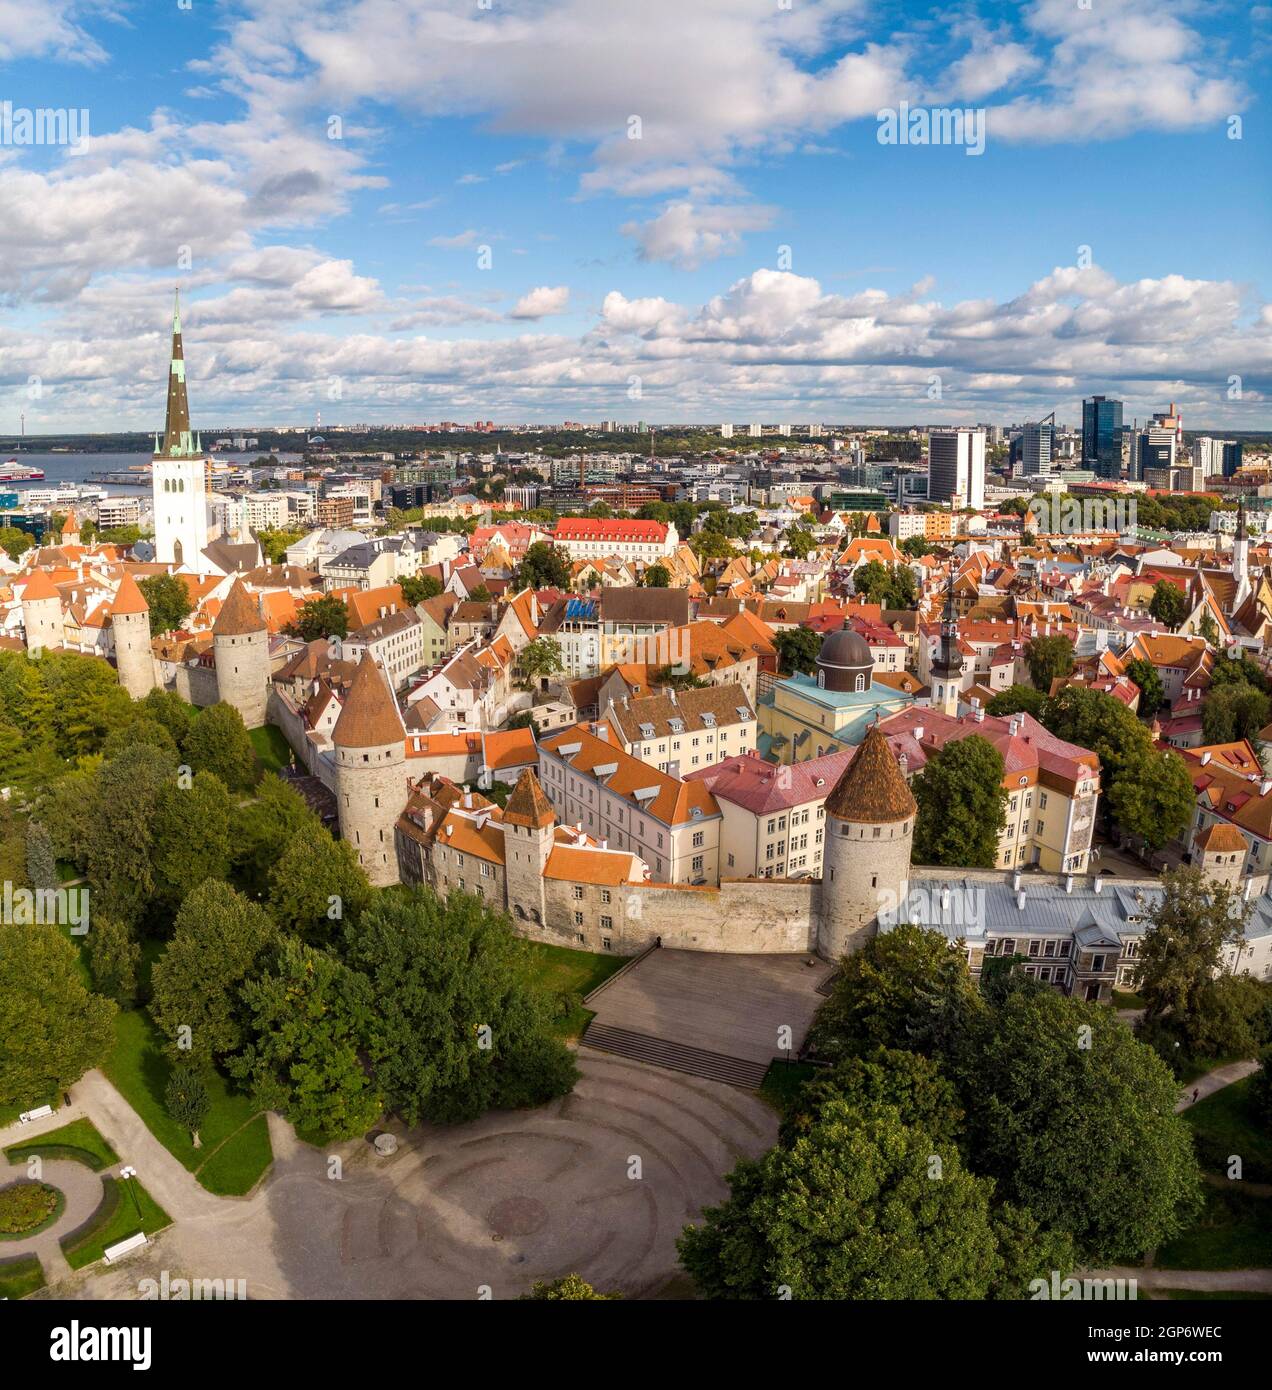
x=844 y=662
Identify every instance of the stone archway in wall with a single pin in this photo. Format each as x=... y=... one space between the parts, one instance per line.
x=176 y=552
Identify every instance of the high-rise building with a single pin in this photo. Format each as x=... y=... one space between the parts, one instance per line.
x=1036 y=442
x=956 y=467
x=1152 y=449
x=726 y=431
x=1102 y=437
x=1216 y=457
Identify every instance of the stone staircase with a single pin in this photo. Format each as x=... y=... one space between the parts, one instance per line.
x=660 y=1052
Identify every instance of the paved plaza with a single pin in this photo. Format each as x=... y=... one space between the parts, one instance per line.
x=598 y=1183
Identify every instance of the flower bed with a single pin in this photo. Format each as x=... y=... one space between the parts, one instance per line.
x=26 y=1208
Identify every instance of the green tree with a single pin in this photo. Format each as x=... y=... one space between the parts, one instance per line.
x=118 y=829
x=169 y=709
x=318 y=618
x=113 y=958
x=1152 y=692
x=544 y=567
x=187 y=1100
x=190 y=840
x=15 y=543
x=798 y=543
x=1168 y=604
x=1209 y=629
x=1018 y=698
x=480 y=594
x=905 y=989
x=416 y=588
x=1234 y=710
x=892 y=586
x=1075 y=1118
x=1026 y=1252
x=1154 y=798
x=316 y=885
x=542 y=657
x=168 y=600
x=797 y=649
x=962 y=805
x=218 y=742
x=41 y=864
x=266 y=825
x=1193 y=921
x=1049 y=659
x=141 y=731
x=52 y=1029
x=440 y=973
x=657 y=577
x=1232 y=670
x=86 y=702
x=861 y=1206
x=274 y=544
x=219 y=941
x=306 y=1023
x=569 y=1286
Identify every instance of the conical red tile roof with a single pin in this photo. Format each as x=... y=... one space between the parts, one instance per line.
x=872 y=790
x=239 y=615
x=129 y=598
x=369 y=716
x=528 y=805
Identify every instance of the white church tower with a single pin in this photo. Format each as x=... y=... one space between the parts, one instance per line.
x=179 y=477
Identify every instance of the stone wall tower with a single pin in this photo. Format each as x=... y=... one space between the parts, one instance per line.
x=240 y=646
x=1220 y=853
x=130 y=622
x=370 y=745
x=42 y=614
x=866 y=859
x=529 y=827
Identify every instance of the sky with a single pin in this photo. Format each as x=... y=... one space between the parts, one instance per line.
x=408 y=211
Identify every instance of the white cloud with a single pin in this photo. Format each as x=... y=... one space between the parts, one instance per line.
x=542 y=302
x=687 y=235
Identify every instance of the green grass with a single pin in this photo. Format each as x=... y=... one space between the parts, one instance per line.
x=79 y=1141
x=783 y=1082
x=1224 y=1125
x=1233 y=1232
x=559 y=970
x=1194 y=1068
x=9 y=1113
x=273 y=752
x=236 y=1167
x=139 y=1070
x=20 y=1276
x=1124 y=1000
x=116 y=1219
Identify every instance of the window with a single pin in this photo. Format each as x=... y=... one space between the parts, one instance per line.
x=730 y=861
x=607 y=923
x=697 y=863
x=578 y=920
x=578 y=894
x=697 y=839
x=605 y=895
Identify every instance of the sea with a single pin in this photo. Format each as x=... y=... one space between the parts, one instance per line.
x=85 y=468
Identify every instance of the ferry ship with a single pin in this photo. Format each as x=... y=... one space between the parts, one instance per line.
x=11 y=471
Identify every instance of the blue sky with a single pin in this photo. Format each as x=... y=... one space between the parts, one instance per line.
x=756 y=254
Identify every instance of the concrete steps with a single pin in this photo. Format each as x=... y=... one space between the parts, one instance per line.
x=660 y=1052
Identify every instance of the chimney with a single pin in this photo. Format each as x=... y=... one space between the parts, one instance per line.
x=1265 y=786
x=1020 y=901
x=1015 y=725
x=918 y=733
x=1249 y=889
x=1098 y=884
x=1068 y=883
x=945 y=899
x=1016 y=879
x=605 y=844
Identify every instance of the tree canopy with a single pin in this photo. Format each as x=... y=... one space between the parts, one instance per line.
x=962 y=805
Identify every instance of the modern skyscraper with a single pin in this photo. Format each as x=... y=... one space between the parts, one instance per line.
x=1102 y=437
x=1216 y=457
x=1036 y=445
x=956 y=467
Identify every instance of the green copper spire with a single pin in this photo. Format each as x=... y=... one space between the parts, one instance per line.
x=177 y=439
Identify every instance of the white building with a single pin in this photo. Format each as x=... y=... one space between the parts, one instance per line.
x=956 y=467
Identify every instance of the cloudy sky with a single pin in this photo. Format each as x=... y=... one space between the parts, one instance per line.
x=534 y=210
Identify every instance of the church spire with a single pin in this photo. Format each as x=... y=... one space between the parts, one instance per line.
x=177 y=439
x=948 y=660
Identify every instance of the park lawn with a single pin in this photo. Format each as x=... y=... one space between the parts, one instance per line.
x=1195 y=1068
x=20 y=1277
x=273 y=752
x=139 y=1071
x=1122 y=999
x=1224 y=1124
x=238 y=1165
x=560 y=970
x=80 y=1136
x=1233 y=1232
x=9 y=1113
x=125 y=1221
